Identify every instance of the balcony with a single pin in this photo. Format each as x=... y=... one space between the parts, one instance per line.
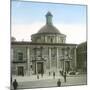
x=15 y=60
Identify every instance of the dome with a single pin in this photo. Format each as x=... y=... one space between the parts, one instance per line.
x=13 y=39
x=48 y=33
x=48 y=29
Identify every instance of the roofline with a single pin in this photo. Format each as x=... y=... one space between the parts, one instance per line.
x=82 y=44
x=31 y=43
x=48 y=33
x=38 y=34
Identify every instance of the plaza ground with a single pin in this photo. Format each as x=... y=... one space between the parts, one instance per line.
x=48 y=81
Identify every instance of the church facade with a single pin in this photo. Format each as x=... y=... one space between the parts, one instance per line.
x=47 y=52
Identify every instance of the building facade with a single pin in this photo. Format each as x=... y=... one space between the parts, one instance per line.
x=47 y=52
x=82 y=57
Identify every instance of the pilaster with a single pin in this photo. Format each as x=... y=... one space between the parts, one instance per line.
x=50 y=57
x=28 y=60
x=57 y=58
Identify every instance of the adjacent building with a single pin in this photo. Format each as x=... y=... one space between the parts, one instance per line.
x=82 y=57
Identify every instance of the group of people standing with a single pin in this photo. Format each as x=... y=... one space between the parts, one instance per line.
x=63 y=74
x=15 y=83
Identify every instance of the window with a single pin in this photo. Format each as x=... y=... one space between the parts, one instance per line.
x=53 y=52
x=62 y=41
x=51 y=40
x=20 y=56
x=38 y=52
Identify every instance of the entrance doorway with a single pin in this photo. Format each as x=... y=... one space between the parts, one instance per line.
x=20 y=71
x=40 y=68
x=67 y=66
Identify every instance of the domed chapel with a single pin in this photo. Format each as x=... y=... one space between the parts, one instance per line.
x=48 y=33
x=46 y=53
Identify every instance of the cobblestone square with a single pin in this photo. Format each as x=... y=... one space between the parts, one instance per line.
x=49 y=81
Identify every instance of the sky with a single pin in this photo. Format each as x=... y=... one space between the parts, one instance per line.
x=28 y=17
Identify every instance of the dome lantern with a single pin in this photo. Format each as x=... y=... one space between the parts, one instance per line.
x=49 y=18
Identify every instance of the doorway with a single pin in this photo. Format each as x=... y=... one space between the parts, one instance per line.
x=21 y=71
x=40 y=68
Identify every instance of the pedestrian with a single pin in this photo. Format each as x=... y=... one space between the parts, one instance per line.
x=58 y=83
x=64 y=77
x=62 y=72
x=37 y=76
x=15 y=84
x=42 y=74
x=54 y=75
x=49 y=73
x=11 y=79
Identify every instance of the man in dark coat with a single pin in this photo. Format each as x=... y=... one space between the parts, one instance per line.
x=42 y=74
x=58 y=83
x=11 y=79
x=64 y=77
x=49 y=73
x=15 y=84
x=37 y=76
x=54 y=75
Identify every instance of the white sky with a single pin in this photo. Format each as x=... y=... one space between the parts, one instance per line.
x=28 y=18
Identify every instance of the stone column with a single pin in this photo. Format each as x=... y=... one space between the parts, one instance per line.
x=28 y=60
x=70 y=58
x=57 y=38
x=45 y=38
x=36 y=68
x=57 y=59
x=64 y=66
x=50 y=58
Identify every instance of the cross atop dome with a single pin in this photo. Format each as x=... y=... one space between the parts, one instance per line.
x=49 y=18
